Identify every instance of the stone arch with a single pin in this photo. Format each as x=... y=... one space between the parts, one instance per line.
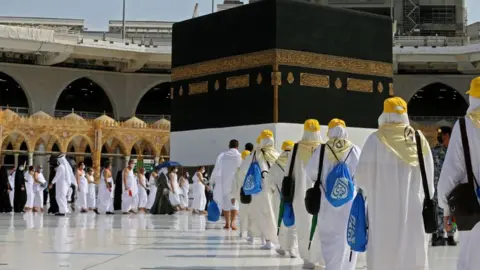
x=437 y=99
x=116 y=143
x=16 y=137
x=155 y=100
x=69 y=97
x=77 y=145
x=48 y=140
x=165 y=150
x=11 y=89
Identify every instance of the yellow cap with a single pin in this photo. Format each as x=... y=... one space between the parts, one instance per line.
x=335 y=122
x=245 y=154
x=395 y=105
x=475 y=88
x=287 y=145
x=311 y=125
x=264 y=135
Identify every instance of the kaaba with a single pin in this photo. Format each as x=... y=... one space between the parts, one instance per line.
x=275 y=63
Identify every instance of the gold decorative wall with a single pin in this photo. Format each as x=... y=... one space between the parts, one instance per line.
x=72 y=131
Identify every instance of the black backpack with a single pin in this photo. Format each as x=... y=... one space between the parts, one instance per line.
x=314 y=194
x=288 y=183
x=463 y=200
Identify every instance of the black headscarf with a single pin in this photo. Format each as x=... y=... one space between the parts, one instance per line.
x=117 y=196
x=3 y=179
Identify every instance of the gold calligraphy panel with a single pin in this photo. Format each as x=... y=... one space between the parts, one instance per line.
x=198 y=88
x=235 y=82
x=314 y=80
x=360 y=85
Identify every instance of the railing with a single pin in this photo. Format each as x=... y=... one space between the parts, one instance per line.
x=151 y=118
x=423 y=41
x=86 y=115
x=434 y=119
x=18 y=110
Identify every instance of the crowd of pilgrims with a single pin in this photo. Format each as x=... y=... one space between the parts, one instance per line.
x=156 y=192
x=387 y=171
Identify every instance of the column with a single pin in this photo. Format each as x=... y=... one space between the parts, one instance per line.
x=157 y=160
x=30 y=159
x=127 y=159
x=15 y=158
x=110 y=159
x=96 y=156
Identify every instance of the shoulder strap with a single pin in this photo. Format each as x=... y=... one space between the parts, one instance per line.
x=421 y=162
x=292 y=160
x=320 y=167
x=466 y=153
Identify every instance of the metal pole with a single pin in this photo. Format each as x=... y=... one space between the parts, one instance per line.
x=123 y=22
x=213 y=6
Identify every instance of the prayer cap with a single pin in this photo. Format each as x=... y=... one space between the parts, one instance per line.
x=245 y=154
x=335 y=122
x=287 y=145
x=395 y=105
x=311 y=125
x=475 y=88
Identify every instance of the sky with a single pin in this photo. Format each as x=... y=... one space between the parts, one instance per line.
x=97 y=13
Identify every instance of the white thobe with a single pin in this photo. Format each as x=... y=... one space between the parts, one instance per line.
x=184 y=189
x=82 y=192
x=228 y=166
x=261 y=208
x=91 y=195
x=174 y=194
x=199 y=198
x=287 y=237
x=332 y=221
x=11 y=179
x=454 y=173
x=62 y=184
x=397 y=239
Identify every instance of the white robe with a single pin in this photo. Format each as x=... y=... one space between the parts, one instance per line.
x=184 y=192
x=82 y=192
x=303 y=219
x=129 y=192
x=216 y=181
x=397 y=239
x=199 y=198
x=105 y=196
x=454 y=173
x=152 y=183
x=332 y=221
x=226 y=169
x=261 y=208
x=174 y=194
x=11 y=180
x=245 y=216
x=91 y=195
x=29 y=189
x=142 y=192
x=38 y=191
x=286 y=237
x=63 y=180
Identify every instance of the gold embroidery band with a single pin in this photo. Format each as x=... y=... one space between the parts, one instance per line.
x=360 y=85
x=197 y=88
x=314 y=80
x=283 y=57
x=242 y=81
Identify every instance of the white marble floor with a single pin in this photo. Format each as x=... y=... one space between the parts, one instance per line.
x=181 y=241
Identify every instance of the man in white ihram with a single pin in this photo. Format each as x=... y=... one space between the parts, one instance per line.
x=454 y=172
x=63 y=180
x=224 y=176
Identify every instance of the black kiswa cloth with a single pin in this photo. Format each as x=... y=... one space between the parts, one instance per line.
x=117 y=196
x=20 y=195
x=52 y=192
x=5 y=206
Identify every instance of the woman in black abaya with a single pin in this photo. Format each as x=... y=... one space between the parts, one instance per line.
x=5 y=206
x=20 y=195
x=117 y=195
x=51 y=193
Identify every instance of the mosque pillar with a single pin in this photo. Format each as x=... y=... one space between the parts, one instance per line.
x=157 y=160
x=97 y=155
x=127 y=159
x=15 y=159
x=30 y=159
x=1 y=143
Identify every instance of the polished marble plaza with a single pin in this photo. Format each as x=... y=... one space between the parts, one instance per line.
x=181 y=241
